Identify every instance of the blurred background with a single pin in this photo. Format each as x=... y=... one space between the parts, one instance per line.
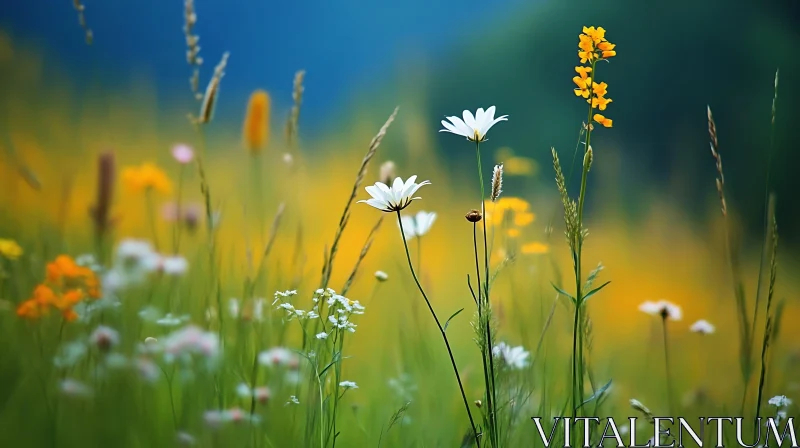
x=653 y=210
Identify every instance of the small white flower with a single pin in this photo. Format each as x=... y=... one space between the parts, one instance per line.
x=474 y=128
x=174 y=265
x=293 y=400
x=258 y=309
x=780 y=401
x=396 y=198
x=104 y=338
x=75 y=388
x=243 y=390
x=185 y=439
x=172 y=321
x=514 y=357
x=233 y=308
x=276 y=357
x=348 y=385
x=702 y=326
x=191 y=340
x=662 y=308
x=262 y=394
x=322 y=335
x=417 y=225
x=381 y=276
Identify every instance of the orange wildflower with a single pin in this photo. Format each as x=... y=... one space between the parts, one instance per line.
x=607 y=122
x=66 y=274
x=146 y=177
x=256 y=122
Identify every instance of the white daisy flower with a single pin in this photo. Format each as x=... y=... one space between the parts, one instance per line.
x=396 y=198
x=780 y=401
x=348 y=385
x=702 y=326
x=419 y=224
x=514 y=357
x=662 y=308
x=474 y=128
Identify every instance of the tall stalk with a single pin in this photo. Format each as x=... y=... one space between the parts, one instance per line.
x=441 y=330
x=491 y=395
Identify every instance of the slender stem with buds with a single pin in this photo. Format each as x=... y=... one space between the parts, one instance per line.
x=441 y=330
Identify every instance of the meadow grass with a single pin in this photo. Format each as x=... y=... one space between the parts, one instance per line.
x=249 y=314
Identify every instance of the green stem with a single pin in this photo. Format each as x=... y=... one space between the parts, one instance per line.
x=666 y=363
x=487 y=303
x=441 y=330
x=148 y=195
x=176 y=232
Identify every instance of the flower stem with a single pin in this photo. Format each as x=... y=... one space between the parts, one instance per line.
x=148 y=195
x=441 y=330
x=176 y=232
x=666 y=363
x=490 y=389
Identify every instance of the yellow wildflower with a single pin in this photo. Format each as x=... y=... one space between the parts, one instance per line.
x=607 y=122
x=599 y=89
x=519 y=166
x=512 y=233
x=600 y=102
x=146 y=177
x=597 y=35
x=522 y=219
x=534 y=248
x=10 y=249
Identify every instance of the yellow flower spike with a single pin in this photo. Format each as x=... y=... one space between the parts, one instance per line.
x=256 y=122
x=9 y=249
x=607 y=122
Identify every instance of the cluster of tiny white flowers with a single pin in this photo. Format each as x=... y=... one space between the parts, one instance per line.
x=291 y=311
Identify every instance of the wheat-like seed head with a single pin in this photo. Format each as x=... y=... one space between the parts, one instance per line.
x=497 y=182
x=714 y=143
x=292 y=124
